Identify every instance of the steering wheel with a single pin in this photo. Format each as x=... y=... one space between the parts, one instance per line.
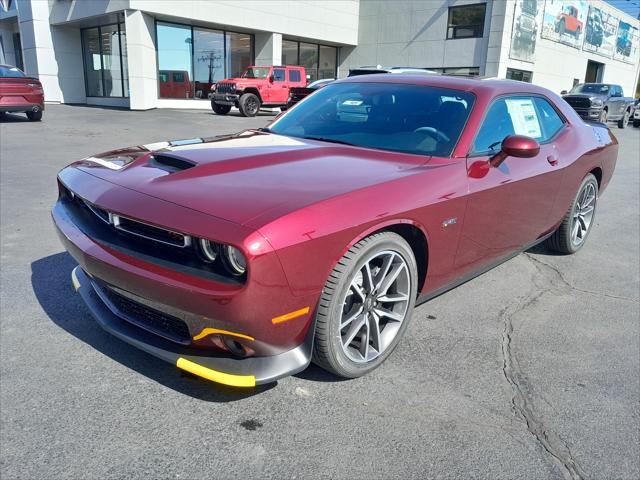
x=434 y=133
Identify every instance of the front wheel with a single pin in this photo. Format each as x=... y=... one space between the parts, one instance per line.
x=249 y=105
x=576 y=225
x=220 y=109
x=624 y=121
x=365 y=306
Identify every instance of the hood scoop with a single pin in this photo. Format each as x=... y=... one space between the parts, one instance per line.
x=170 y=164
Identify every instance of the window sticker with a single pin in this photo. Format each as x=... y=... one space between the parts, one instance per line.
x=524 y=117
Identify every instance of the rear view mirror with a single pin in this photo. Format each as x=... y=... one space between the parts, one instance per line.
x=271 y=78
x=518 y=146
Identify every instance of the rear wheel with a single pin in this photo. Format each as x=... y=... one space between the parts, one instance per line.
x=35 y=116
x=249 y=105
x=220 y=109
x=365 y=306
x=576 y=225
x=624 y=121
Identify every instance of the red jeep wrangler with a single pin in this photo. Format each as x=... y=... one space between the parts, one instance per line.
x=257 y=87
x=567 y=22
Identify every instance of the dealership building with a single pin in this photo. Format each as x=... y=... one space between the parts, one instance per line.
x=144 y=54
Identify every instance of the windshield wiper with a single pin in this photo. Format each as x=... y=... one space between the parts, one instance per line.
x=264 y=129
x=330 y=140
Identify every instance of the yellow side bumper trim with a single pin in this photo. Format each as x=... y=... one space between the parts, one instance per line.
x=211 y=331
x=215 y=376
x=290 y=316
x=74 y=278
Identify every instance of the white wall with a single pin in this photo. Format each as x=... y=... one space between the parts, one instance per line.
x=141 y=60
x=412 y=33
x=556 y=65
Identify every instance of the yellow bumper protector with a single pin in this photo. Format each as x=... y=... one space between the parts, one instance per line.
x=290 y=316
x=215 y=376
x=211 y=331
x=74 y=278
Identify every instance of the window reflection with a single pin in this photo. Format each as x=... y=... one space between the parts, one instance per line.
x=191 y=59
x=105 y=61
x=319 y=61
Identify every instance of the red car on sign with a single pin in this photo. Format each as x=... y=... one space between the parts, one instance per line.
x=20 y=93
x=243 y=258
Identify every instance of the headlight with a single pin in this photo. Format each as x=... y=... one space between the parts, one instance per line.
x=209 y=250
x=235 y=260
x=213 y=87
x=596 y=102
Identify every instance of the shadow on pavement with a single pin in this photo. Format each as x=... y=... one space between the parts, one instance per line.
x=13 y=118
x=50 y=279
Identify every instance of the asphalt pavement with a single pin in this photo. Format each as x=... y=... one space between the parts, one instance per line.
x=530 y=371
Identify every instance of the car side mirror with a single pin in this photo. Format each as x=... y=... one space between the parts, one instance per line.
x=519 y=146
x=271 y=78
x=563 y=92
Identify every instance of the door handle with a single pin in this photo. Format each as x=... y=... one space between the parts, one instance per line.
x=553 y=160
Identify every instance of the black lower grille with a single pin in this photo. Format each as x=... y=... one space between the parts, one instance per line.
x=167 y=326
x=225 y=87
x=578 y=102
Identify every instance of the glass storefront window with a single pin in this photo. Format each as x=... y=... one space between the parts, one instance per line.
x=239 y=53
x=191 y=59
x=208 y=60
x=327 y=62
x=318 y=60
x=92 y=62
x=309 y=60
x=111 y=68
x=174 y=60
x=289 y=52
x=105 y=61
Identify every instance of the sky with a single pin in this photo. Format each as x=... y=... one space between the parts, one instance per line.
x=632 y=7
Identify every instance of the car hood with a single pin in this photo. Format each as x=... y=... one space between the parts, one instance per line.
x=590 y=96
x=250 y=178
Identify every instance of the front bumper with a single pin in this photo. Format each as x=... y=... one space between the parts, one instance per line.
x=246 y=372
x=589 y=113
x=230 y=99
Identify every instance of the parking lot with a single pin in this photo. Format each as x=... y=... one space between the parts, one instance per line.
x=529 y=371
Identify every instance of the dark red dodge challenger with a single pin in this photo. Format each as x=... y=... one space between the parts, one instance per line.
x=243 y=258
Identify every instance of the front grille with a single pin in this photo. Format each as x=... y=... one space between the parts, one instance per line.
x=225 y=87
x=155 y=321
x=578 y=102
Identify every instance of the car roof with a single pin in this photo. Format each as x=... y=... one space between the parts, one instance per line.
x=468 y=84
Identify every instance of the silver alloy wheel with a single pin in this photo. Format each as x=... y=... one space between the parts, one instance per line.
x=374 y=306
x=583 y=213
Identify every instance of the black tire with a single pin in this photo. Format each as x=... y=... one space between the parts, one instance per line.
x=34 y=116
x=577 y=33
x=249 y=105
x=603 y=116
x=624 y=121
x=636 y=123
x=563 y=28
x=561 y=240
x=328 y=351
x=220 y=109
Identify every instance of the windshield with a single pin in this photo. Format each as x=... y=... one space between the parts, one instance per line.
x=387 y=116
x=590 y=88
x=256 y=72
x=11 y=72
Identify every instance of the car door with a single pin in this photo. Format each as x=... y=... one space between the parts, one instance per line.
x=616 y=101
x=509 y=206
x=278 y=89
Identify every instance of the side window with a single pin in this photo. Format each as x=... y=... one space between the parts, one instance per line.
x=507 y=116
x=178 y=77
x=549 y=119
x=278 y=74
x=294 y=75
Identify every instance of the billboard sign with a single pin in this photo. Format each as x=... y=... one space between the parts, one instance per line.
x=626 y=48
x=527 y=17
x=564 y=21
x=600 y=32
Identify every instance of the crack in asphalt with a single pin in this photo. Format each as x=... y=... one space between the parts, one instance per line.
x=540 y=265
x=522 y=399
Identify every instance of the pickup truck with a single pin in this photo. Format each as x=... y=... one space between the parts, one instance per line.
x=257 y=87
x=603 y=102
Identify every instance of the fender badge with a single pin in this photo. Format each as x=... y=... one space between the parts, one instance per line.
x=449 y=221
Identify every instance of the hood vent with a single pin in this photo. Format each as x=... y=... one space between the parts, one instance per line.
x=170 y=164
